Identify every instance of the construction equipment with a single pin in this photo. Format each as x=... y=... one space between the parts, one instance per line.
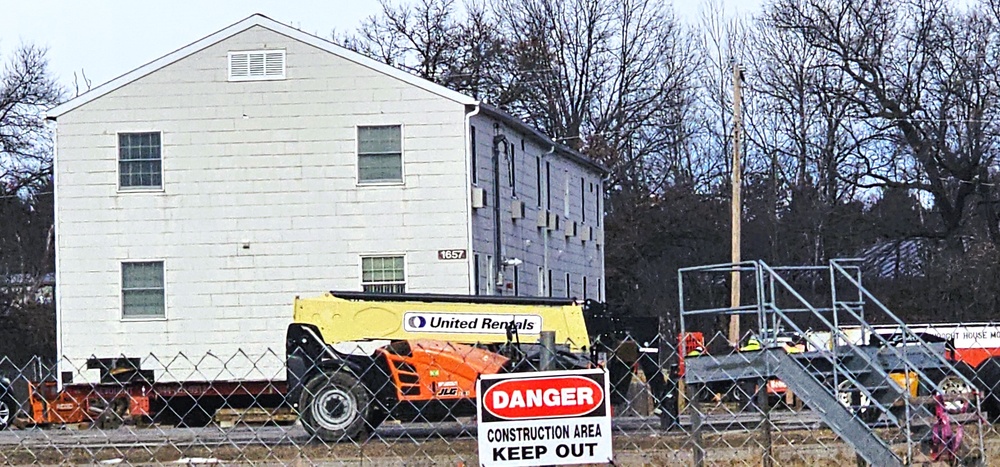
x=8 y=407
x=356 y=359
x=124 y=392
x=904 y=381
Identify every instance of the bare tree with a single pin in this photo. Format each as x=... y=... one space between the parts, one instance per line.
x=26 y=203
x=480 y=49
x=720 y=39
x=802 y=134
x=418 y=39
x=926 y=78
x=614 y=79
x=559 y=52
x=26 y=92
x=645 y=110
x=441 y=41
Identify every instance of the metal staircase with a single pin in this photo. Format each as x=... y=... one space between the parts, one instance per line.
x=853 y=377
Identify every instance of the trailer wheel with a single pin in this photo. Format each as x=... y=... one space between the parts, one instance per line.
x=8 y=409
x=108 y=414
x=334 y=406
x=857 y=402
x=953 y=385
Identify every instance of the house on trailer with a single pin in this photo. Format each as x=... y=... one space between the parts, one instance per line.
x=197 y=195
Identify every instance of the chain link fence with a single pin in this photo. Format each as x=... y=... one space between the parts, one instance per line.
x=691 y=401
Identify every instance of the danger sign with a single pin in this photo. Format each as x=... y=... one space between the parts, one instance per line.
x=544 y=418
x=550 y=397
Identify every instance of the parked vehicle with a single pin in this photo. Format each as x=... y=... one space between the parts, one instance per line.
x=395 y=329
x=8 y=405
x=357 y=359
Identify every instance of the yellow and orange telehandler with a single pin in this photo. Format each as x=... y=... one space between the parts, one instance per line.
x=356 y=359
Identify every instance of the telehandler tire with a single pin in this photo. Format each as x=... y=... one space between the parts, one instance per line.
x=334 y=406
x=8 y=410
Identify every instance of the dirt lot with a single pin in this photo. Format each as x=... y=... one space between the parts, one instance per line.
x=284 y=446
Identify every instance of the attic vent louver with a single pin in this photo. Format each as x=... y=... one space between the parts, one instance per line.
x=256 y=65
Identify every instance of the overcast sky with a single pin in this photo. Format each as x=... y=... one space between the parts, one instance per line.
x=107 y=38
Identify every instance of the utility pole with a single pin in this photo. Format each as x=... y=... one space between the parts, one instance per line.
x=737 y=202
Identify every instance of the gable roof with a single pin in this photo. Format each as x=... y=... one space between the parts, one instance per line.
x=320 y=43
x=268 y=23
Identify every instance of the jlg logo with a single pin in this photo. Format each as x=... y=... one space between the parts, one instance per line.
x=448 y=392
x=560 y=396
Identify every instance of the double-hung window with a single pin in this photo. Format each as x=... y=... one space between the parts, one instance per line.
x=383 y=274
x=139 y=160
x=380 y=154
x=142 y=290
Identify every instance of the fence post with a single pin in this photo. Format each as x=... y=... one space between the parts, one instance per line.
x=666 y=353
x=548 y=341
x=697 y=444
x=765 y=405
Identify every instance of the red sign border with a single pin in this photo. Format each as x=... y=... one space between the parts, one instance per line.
x=596 y=405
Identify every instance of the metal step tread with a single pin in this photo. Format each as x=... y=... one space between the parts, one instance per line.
x=816 y=395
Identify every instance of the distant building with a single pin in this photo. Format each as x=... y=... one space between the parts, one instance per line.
x=197 y=195
x=28 y=289
x=892 y=259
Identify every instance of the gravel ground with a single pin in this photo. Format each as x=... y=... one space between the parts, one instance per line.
x=638 y=442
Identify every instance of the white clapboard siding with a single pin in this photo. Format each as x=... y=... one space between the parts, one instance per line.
x=271 y=163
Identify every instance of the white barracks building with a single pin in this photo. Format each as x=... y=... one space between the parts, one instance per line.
x=197 y=195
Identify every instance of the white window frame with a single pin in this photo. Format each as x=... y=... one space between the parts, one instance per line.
x=121 y=291
x=402 y=156
x=248 y=53
x=361 y=270
x=118 y=164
